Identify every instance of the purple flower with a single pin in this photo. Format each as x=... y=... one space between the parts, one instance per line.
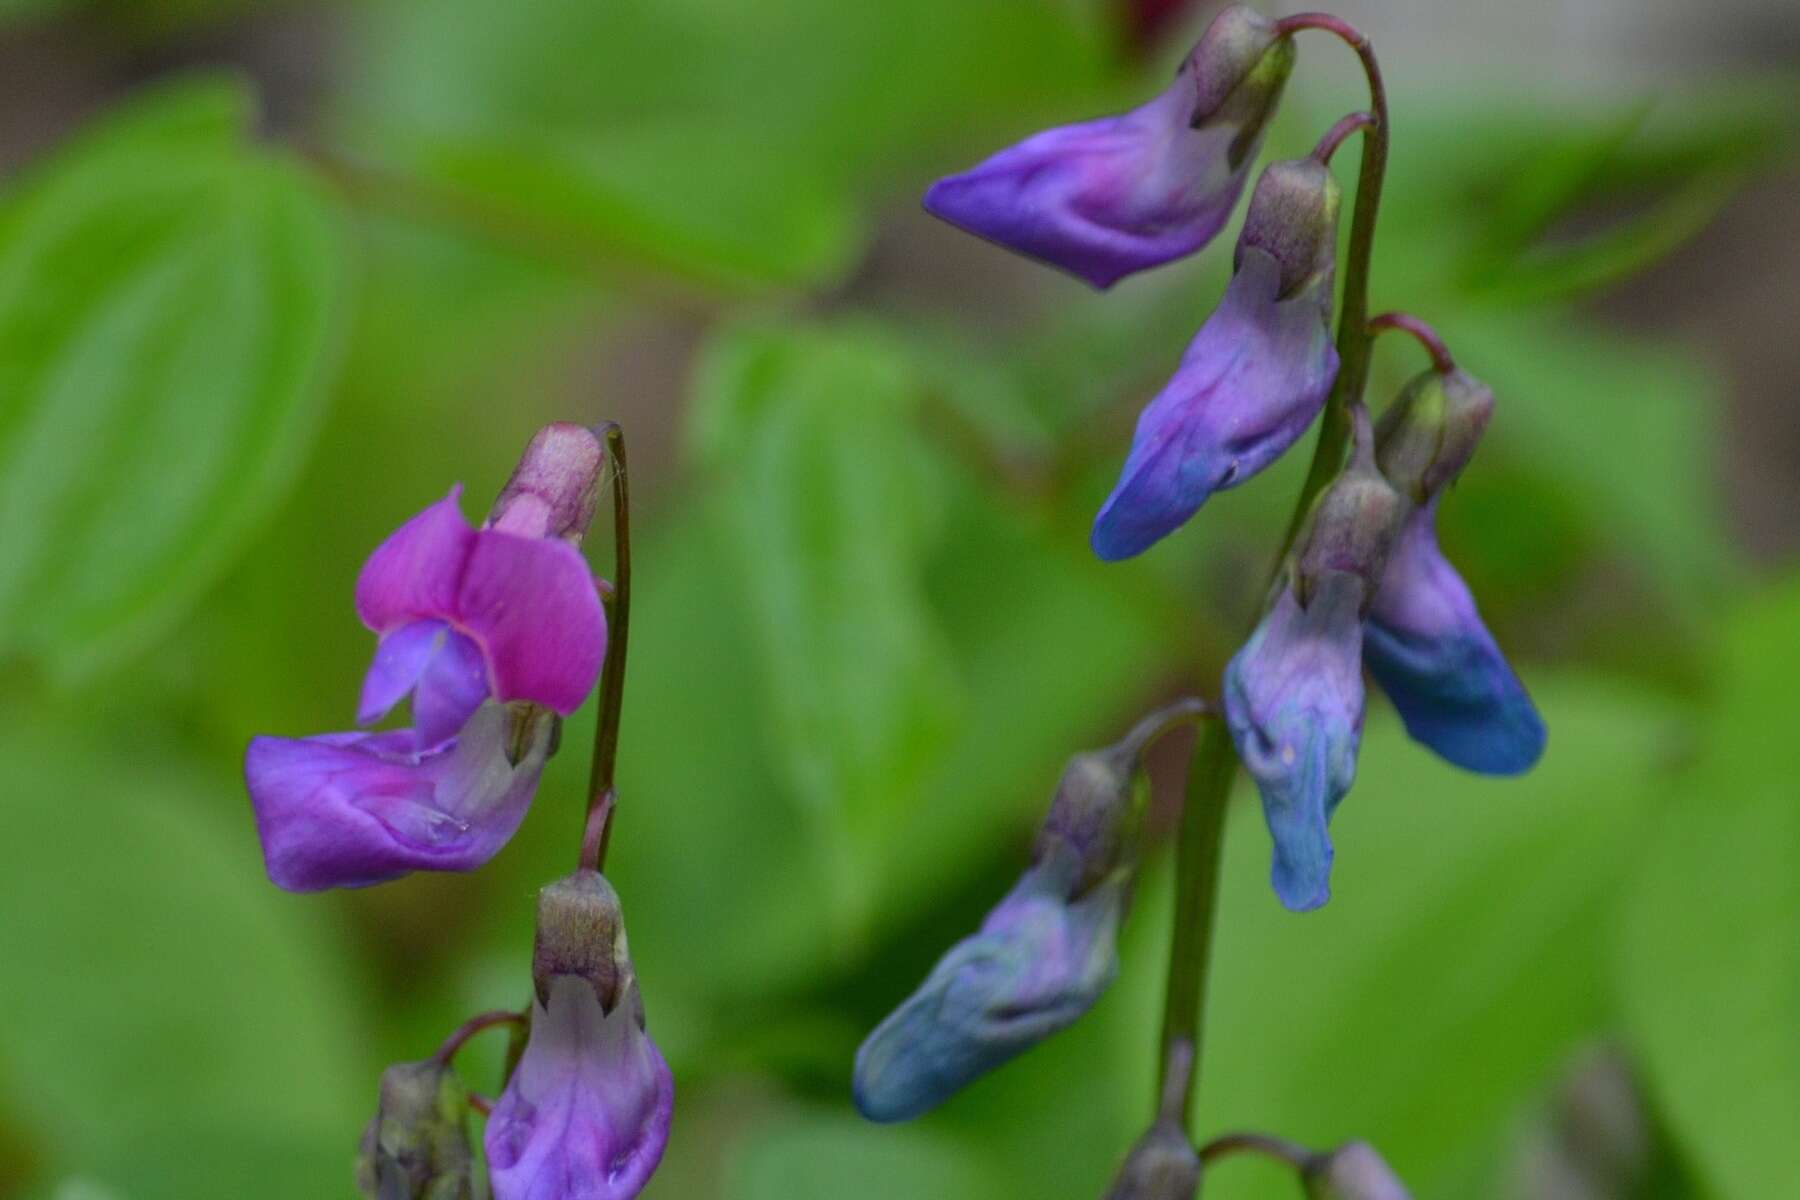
x=1254 y=377
x=1294 y=704
x=489 y=631
x=1426 y=646
x=1105 y=198
x=1041 y=959
x=586 y=1114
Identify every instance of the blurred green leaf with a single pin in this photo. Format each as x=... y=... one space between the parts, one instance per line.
x=154 y=981
x=1710 y=966
x=723 y=142
x=829 y=1157
x=829 y=501
x=167 y=308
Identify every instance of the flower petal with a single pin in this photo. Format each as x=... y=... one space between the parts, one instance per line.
x=1294 y=705
x=586 y=1114
x=1250 y=383
x=452 y=686
x=350 y=810
x=1426 y=645
x=416 y=572
x=1038 y=963
x=532 y=605
x=400 y=658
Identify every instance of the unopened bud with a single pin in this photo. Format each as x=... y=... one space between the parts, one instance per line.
x=1354 y=523
x=581 y=933
x=1429 y=433
x=554 y=488
x=1094 y=813
x=417 y=1145
x=1162 y=1166
x=1293 y=218
x=1239 y=68
x=1353 y=1172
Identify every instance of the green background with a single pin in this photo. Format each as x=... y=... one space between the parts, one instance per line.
x=291 y=270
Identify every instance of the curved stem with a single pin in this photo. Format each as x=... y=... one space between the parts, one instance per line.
x=1214 y=765
x=1424 y=334
x=1279 y=1149
x=1340 y=133
x=1189 y=710
x=468 y=1029
x=602 y=800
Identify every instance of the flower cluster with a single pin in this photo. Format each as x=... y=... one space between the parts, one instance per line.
x=1366 y=585
x=493 y=635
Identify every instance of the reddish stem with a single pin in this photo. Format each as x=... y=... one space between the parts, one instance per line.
x=1423 y=333
x=1279 y=1149
x=481 y=1104
x=1340 y=133
x=470 y=1028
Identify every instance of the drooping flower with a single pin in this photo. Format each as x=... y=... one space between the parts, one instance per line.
x=417 y=1145
x=1427 y=647
x=1294 y=697
x=1254 y=377
x=1294 y=704
x=1105 y=198
x=1040 y=960
x=586 y=1114
x=490 y=631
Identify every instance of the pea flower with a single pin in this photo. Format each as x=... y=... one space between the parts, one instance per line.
x=490 y=632
x=1424 y=641
x=1294 y=697
x=1105 y=198
x=1254 y=377
x=1040 y=960
x=586 y=1114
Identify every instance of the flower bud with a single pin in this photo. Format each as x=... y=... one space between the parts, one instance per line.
x=1353 y=525
x=1093 y=813
x=417 y=1145
x=1429 y=433
x=586 y=1114
x=1293 y=219
x=1104 y=198
x=581 y=934
x=1161 y=1166
x=554 y=488
x=1353 y=1172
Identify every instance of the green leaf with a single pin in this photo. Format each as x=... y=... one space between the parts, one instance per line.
x=723 y=143
x=830 y=1157
x=1709 y=965
x=168 y=301
x=830 y=506
x=160 y=983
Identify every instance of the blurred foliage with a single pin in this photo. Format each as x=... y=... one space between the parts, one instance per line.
x=867 y=629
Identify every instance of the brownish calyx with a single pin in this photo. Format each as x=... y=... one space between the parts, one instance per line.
x=581 y=933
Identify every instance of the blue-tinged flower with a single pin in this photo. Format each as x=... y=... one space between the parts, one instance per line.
x=1105 y=198
x=1254 y=377
x=1294 y=705
x=490 y=631
x=1426 y=645
x=586 y=1114
x=417 y=1145
x=1041 y=959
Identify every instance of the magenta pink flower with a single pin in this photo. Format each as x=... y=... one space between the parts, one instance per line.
x=490 y=631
